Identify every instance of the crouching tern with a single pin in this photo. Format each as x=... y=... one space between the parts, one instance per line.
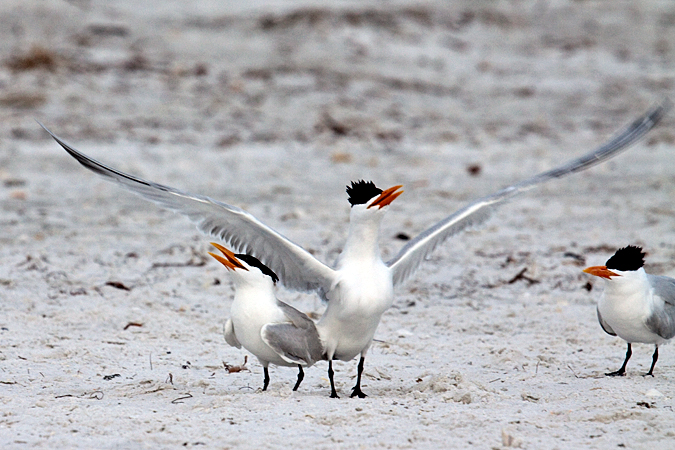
x=270 y=329
x=359 y=287
x=636 y=306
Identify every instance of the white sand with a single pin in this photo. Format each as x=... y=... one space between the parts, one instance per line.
x=275 y=107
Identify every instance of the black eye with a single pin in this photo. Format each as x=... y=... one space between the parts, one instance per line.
x=627 y=258
x=362 y=191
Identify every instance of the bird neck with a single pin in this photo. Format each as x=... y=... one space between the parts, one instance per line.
x=363 y=239
x=631 y=285
x=260 y=287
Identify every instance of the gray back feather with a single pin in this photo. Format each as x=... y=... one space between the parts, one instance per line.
x=292 y=343
x=662 y=321
x=297 y=341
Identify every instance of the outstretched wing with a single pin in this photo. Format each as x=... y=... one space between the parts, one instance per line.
x=239 y=230
x=411 y=255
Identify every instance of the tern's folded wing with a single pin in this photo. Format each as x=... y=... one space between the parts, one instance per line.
x=662 y=319
x=418 y=249
x=230 y=336
x=293 y=344
x=605 y=326
x=239 y=230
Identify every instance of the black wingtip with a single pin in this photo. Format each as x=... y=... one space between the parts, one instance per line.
x=98 y=167
x=660 y=110
x=667 y=104
x=44 y=127
x=60 y=141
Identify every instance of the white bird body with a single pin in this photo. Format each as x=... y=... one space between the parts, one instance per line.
x=270 y=329
x=348 y=325
x=635 y=306
x=362 y=290
x=253 y=307
x=359 y=288
x=627 y=304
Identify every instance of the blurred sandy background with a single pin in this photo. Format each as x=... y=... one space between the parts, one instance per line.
x=275 y=106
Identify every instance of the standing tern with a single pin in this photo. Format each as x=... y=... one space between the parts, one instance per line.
x=635 y=306
x=360 y=286
x=272 y=330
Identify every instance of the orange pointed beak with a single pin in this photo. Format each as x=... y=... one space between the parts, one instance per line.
x=601 y=271
x=387 y=197
x=230 y=261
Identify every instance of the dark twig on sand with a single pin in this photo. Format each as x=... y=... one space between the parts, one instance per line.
x=521 y=276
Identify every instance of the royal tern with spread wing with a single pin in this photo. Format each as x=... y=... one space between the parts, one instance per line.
x=635 y=306
x=360 y=287
x=272 y=330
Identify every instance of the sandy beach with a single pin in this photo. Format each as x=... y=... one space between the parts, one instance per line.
x=112 y=312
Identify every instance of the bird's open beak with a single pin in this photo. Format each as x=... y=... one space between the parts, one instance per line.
x=601 y=271
x=387 y=197
x=230 y=261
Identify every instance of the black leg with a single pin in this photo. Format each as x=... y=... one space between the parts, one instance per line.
x=655 y=357
x=333 y=392
x=622 y=371
x=356 y=390
x=301 y=375
x=266 y=381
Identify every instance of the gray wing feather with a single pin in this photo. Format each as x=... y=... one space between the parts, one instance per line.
x=297 y=342
x=293 y=344
x=230 y=336
x=662 y=321
x=297 y=318
x=297 y=269
x=605 y=326
x=418 y=249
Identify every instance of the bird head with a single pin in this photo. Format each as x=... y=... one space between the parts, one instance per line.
x=625 y=261
x=244 y=266
x=365 y=196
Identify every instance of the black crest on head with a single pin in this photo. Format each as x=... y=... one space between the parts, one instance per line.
x=362 y=191
x=627 y=258
x=255 y=262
